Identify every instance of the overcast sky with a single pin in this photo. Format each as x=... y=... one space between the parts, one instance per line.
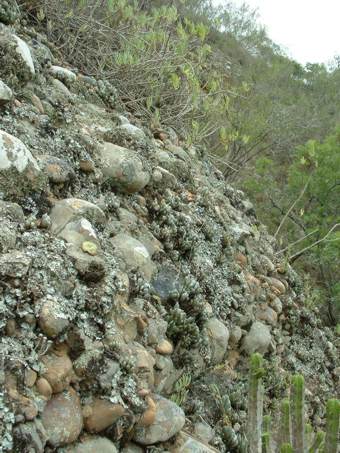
x=309 y=30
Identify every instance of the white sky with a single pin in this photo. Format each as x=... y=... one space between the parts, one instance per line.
x=309 y=30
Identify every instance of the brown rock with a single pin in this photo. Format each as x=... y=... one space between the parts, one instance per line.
x=277 y=286
x=267 y=314
x=164 y=347
x=102 y=414
x=30 y=377
x=59 y=371
x=62 y=418
x=87 y=166
x=30 y=410
x=241 y=259
x=44 y=388
x=52 y=319
x=149 y=416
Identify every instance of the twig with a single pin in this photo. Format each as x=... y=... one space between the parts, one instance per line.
x=291 y=208
x=296 y=242
x=298 y=254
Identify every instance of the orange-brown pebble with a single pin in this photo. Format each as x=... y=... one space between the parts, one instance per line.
x=59 y=371
x=165 y=347
x=241 y=259
x=44 y=388
x=30 y=377
x=149 y=416
x=103 y=414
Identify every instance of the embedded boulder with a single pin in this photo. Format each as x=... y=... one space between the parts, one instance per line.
x=134 y=254
x=71 y=209
x=218 y=336
x=18 y=67
x=169 y=420
x=122 y=168
x=19 y=171
x=6 y=94
x=258 y=339
x=93 y=444
x=62 y=418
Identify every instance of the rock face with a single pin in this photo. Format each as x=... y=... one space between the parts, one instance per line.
x=62 y=418
x=169 y=421
x=19 y=171
x=125 y=261
x=122 y=168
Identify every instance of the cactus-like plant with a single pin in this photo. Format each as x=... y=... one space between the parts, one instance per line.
x=255 y=404
x=286 y=448
x=332 y=426
x=317 y=442
x=295 y=434
x=285 y=432
x=297 y=398
x=266 y=436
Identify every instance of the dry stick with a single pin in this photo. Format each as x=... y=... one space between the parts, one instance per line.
x=298 y=254
x=291 y=208
x=296 y=242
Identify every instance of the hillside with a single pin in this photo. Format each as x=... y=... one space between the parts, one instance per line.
x=135 y=281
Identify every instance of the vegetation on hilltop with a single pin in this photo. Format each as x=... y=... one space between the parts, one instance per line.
x=214 y=76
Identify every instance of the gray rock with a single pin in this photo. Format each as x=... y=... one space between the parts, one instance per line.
x=122 y=168
x=58 y=171
x=204 y=432
x=52 y=317
x=134 y=254
x=19 y=171
x=24 y=54
x=11 y=211
x=169 y=421
x=8 y=236
x=71 y=209
x=163 y=178
x=164 y=369
x=167 y=283
x=60 y=92
x=93 y=445
x=131 y=131
x=6 y=93
x=15 y=264
x=188 y=444
x=90 y=268
x=156 y=330
x=235 y=335
x=132 y=448
x=79 y=231
x=218 y=336
x=63 y=74
x=258 y=339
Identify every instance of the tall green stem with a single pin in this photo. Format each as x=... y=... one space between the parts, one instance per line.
x=286 y=448
x=332 y=426
x=297 y=396
x=255 y=404
x=285 y=425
